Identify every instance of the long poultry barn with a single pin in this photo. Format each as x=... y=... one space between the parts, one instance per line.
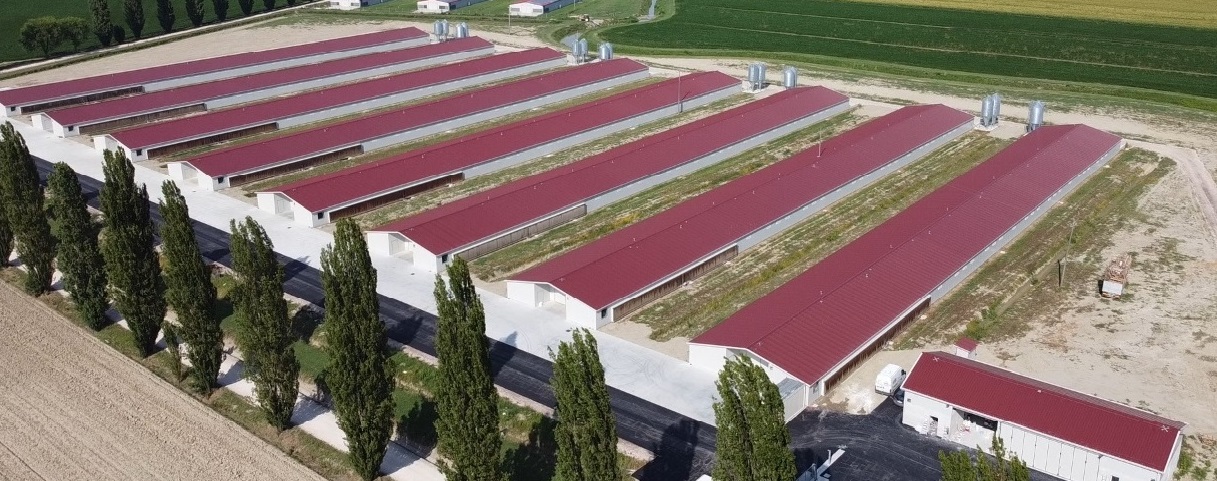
x=487 y=221
x=1057 y=431
x=246 y=163
x=200 y=97
x=36 y=98
x=600 y=282
x=170 y=136
x=326 y=197
x=810 y=332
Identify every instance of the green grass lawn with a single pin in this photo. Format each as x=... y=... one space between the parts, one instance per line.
x=1174 y=59
x=14 y=13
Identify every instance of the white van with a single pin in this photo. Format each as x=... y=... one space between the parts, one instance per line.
x=889 y=379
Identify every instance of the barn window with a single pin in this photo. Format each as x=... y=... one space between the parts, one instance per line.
x=604 y=313
x=139 y=152
x=320 y=215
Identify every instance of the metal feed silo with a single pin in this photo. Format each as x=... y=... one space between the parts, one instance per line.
x=751 y=75
x=438 y=30
x=790 y=77
x=1035 y=118
x=996 y=108
x=986 y=111
x=606 y=51
x=760 y=76
x=581 y=56
x=462 y=30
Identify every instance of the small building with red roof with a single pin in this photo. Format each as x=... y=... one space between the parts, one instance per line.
x=1057 y=431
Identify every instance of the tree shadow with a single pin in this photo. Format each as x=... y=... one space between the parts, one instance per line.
x=415 y=429
x=305 y=322
x=675 y=454
x=501 y=353
x=534 y=460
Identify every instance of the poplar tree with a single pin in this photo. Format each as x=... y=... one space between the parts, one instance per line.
x=359 y=376
x=132 y=263
x=221 y=9
x=194 y=11
x=269 y=4
x=165 y=15
x=466 y=401
x=22 y=195
x=99 y=14
x=6 y=238
x=266 y=334
x=246 y=6
x=79 y=256
x=753 y=443
x=961 y=466
x=133 y=15
x=189 y=289
x=586 y=433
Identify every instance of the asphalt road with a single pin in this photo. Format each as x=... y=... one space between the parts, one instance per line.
x=683 y=447
x=878 y=447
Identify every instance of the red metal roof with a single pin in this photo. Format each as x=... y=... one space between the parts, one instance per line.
x=967 y=344
x=817 y=320
x=219 y=121
x=134 y=78
x=1104 y=426
x=325 y=191
x=624 y=263
x=328 y=138
x=454 y=225
x=194 y=94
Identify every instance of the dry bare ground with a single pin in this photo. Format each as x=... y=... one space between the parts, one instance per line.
x=73 y=408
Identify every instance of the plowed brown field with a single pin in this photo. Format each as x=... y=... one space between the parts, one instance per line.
x=73 y=408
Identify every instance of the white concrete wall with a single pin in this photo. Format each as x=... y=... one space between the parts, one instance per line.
x=526 y=10
x=432 y=6
x=183 y=171
x=715 y=157
x=267 y=202
x=425 y=259
x=1041 y=452
x=41 y=121
x=102 y=143
x=524 y=292
x=385 y=243
x=708 y=357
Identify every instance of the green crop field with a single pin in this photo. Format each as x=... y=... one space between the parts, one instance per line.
x=14 y=13
x=1174 y=59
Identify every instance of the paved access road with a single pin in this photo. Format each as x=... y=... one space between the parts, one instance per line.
x=684 y=447
x=878 y=447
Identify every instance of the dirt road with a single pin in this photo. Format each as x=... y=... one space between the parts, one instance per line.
x=73 y=408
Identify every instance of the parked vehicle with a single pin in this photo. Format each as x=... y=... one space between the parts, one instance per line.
x=889 y=379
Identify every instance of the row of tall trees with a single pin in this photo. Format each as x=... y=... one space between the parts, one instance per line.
x=102 y=26
x=45 y=34
x=753 y=442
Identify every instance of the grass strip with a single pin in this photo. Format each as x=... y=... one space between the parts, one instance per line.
x=1020 y=284
x=502 y=263
x=430 y=140
x=709 y=300
x=434 y=198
